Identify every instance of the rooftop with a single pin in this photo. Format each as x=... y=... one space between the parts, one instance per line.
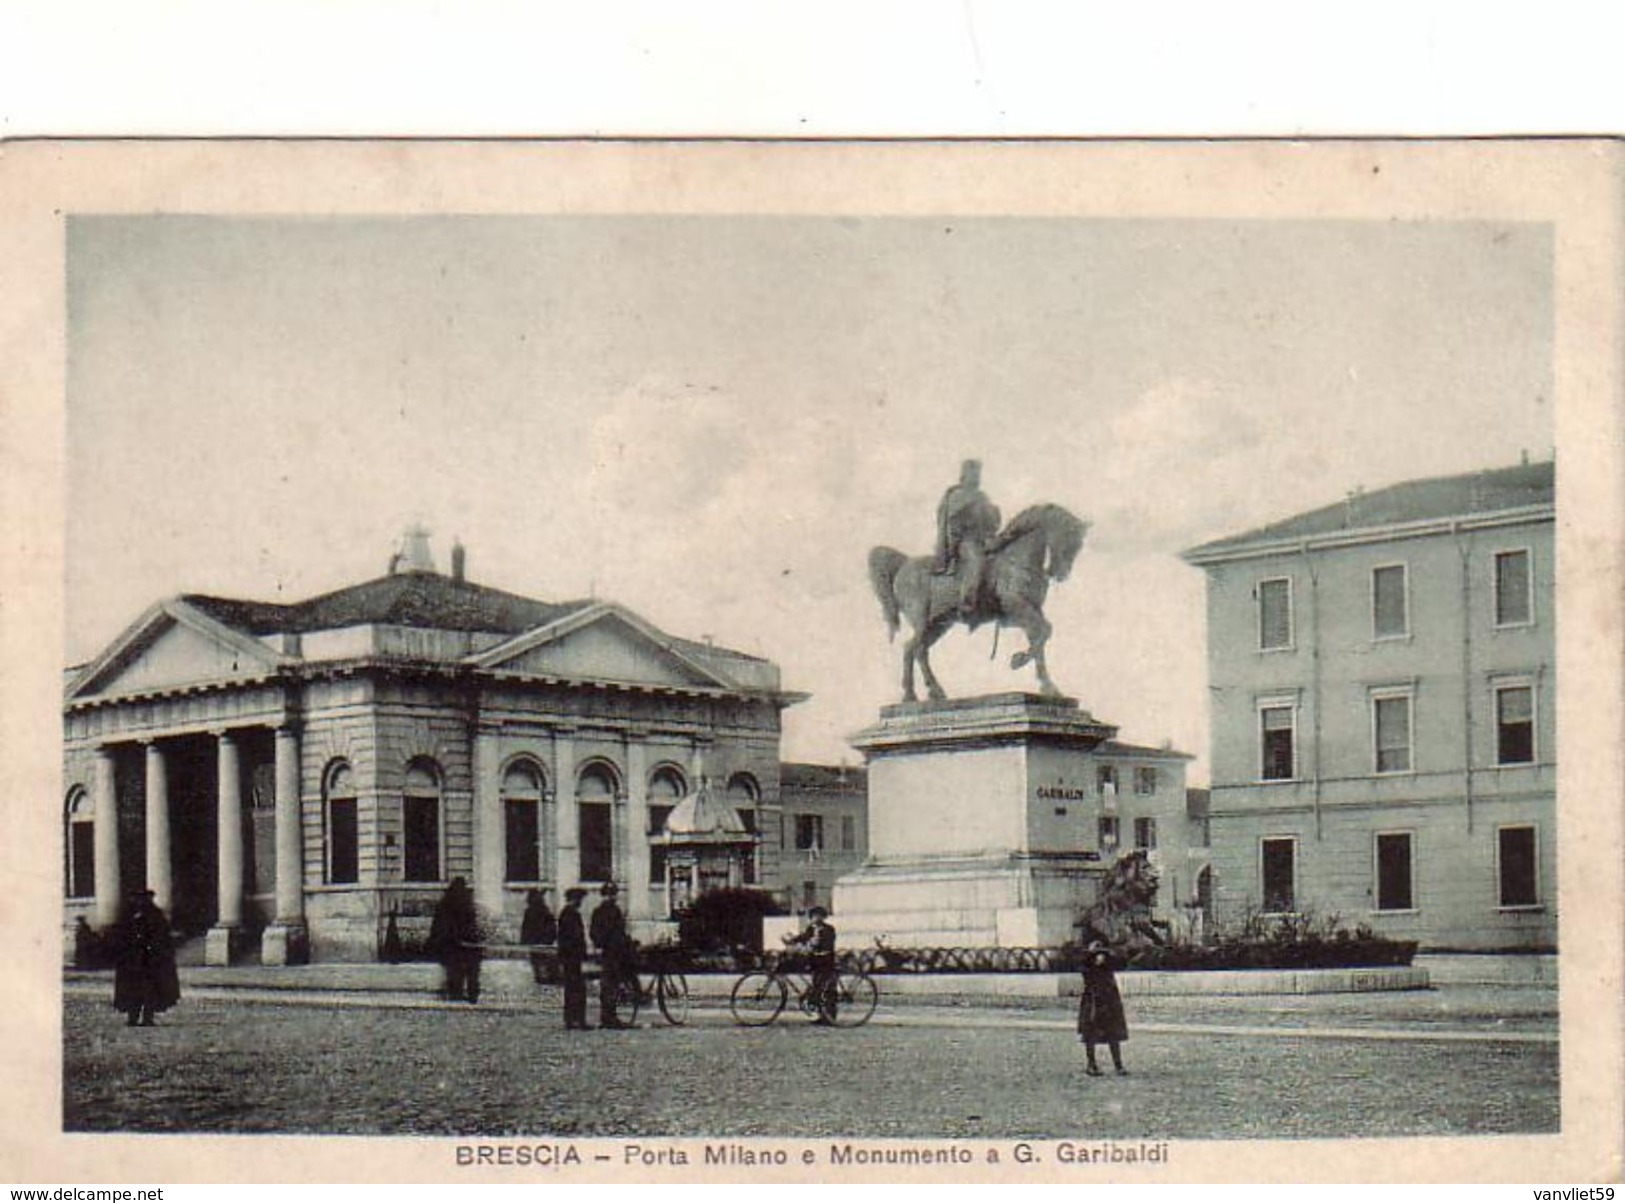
x=408 y=599
x=1490 y=491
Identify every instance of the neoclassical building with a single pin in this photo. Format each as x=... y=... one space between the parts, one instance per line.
x=288 y=777
x=1383 y=676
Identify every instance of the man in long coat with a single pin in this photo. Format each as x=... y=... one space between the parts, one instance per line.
x=454 y=937
x=614 y=946
x=572 y=952
x=145 y=980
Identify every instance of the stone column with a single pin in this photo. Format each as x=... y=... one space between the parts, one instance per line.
x=567 y=851
x=229 y=845
x=160 y=878
x=286 y=941
x=490 y=842
x=636 y=824
x=106 y=840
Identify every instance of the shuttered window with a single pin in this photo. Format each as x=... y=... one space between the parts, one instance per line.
x=1274 y=614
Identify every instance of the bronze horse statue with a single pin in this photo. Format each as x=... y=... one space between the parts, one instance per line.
x=1036 y=547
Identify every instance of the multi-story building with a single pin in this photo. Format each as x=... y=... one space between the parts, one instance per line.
x=289 y=777
x=1382 y=683
x=825 y=830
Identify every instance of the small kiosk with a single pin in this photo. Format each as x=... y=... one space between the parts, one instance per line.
x=707 y=847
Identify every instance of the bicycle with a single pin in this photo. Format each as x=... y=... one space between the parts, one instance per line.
x=666 y=988
x=760 y=996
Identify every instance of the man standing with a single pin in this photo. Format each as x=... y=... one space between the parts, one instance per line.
x=614 y=954
x=538 y=927
x=572 y=951
x=966 y=524
x=145 y=981
x=454 y=937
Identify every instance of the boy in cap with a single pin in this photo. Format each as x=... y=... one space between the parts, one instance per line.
x=818 y=939
x=572 y=951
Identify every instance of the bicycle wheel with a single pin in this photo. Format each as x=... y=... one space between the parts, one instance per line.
x=856 y=998
x=671 y=991
x=757 y=999
x=628 y=998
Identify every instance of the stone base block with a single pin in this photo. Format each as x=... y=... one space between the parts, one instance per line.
x=284 y=944
x=1007 y=901
x=222 y=945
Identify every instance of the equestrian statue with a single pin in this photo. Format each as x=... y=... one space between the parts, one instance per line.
x=979 y=574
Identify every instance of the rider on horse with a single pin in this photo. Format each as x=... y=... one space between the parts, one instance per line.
x=967 y=523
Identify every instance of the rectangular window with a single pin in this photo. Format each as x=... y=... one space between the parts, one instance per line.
x=809 y=833
x=1278 y=857
x=1274 y=614
x=1395 y=872
x=1276 y=734
x=849 y=833
x=657 y=852
x=1145 y=781
x=343 y=842
x=1106 y=778
x=1513 y=604
x=1389 y=616
x=82 y=858
x=597 y=842
x=1517 y=865
x=1145 y=834
x=521 y=822
x=421 y=816
x=1108 y=831
x=1391 y=732
x=1515 y=724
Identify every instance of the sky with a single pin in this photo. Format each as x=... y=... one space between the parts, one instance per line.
x=711 y=419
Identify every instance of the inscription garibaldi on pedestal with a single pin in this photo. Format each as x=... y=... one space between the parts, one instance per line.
x=978 y=574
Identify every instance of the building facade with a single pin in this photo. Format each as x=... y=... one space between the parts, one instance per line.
x=825 y=830
x=293 y=780
x=1382 y=676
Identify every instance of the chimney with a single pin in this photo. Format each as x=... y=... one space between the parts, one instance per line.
x=459 y=560
x=415 y=555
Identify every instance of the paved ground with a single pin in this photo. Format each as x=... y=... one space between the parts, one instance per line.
x=1434 y=1062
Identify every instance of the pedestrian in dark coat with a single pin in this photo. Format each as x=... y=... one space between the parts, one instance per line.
x=454 y=938
x=1100 y=1010
x=538 y=927
x=145 y=981
x=572 y=952
x=615 y=955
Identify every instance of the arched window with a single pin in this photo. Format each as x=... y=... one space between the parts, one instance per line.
x=522 y=820
x=420 y=821
x=80 y=816
x=666 y=789
x=744 y=796
x=595 y=799
x=341 y=853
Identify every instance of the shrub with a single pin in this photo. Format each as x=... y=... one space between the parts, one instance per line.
x=720 y=920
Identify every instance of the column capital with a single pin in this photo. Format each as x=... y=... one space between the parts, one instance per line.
x=224 y=734
x=291 y=728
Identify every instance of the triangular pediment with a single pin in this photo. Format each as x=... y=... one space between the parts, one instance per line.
x=172 y=645
x=602 y=643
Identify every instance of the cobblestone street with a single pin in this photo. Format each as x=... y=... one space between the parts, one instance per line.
x=1201 y=1068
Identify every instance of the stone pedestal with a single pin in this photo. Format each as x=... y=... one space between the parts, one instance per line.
x=284 y=944
x=982 y=824
x=222 y=945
